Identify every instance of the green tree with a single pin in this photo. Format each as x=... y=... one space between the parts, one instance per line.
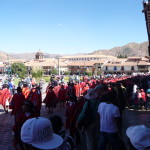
x=37 y=72
x=67 y=73
x=19 y=69
x=89 y=73
x=54 y=71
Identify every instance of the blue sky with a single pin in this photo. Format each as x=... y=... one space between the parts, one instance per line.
x=70 y=26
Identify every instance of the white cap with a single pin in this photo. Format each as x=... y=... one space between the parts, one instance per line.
x=139 y=136
x=39 y=133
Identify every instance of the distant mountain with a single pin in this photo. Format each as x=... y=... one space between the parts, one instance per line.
x=129 y=50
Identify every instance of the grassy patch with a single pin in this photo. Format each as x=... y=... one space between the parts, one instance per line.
x=16 y=81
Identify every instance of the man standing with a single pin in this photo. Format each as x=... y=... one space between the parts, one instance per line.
x=110 y=126
x=91 y=105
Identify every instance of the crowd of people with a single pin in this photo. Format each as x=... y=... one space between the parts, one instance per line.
x=93 y=111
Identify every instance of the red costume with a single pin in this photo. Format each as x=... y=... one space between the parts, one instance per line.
x=17 y=103
x=84 y=90
x=56 y=90
x=77 y=88
x=50 y=99
x=4 y=96
x=25 y=91
x=36 y=98
x=62 y=94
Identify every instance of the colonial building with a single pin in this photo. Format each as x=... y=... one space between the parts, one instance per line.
x=128 y=66
x=47 y=64
x=87 y=57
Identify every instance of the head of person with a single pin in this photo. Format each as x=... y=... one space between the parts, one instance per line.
x=37 y=133
x=25 y=84
x=57 y=123
x=19 y=90
x=51 y=88
x=62 y=86
x=139 y=136
x=28 y=107
x=101 y=89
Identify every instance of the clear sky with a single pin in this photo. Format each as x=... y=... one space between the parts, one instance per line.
x=70 y=26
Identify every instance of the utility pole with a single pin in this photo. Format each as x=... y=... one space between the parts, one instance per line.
x=58 y=67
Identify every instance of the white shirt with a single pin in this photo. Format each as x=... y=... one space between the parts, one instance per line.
x=134 y=88
x=108 y=112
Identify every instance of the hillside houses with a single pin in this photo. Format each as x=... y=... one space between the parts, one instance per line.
x=79 y=64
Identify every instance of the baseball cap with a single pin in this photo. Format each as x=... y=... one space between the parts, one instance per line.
x=139 y=136
x=39 y=133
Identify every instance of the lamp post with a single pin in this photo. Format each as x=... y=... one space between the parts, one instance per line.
x=58 y=67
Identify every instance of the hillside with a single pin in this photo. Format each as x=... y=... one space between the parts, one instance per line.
x=131 y=49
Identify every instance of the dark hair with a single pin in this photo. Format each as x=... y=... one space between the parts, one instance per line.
x=19 y=89
x=57 y=123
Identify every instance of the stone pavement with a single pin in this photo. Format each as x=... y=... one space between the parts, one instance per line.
x=6 y=122
x=130 y=117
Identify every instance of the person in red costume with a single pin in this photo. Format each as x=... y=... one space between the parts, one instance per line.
x=17 y=103
x=62 y=96
x=50 y=100
x=5 y=97
x=28 y=112
x=84 y=90
x=70 y=90
x=36 y=98
x=77 y=88
x=25 y=90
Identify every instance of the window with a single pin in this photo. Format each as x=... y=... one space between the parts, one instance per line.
x=132 y=68
x=106 y=68
x=115 y=68
x=122 y=68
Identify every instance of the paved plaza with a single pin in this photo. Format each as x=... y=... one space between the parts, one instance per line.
x=130 y=117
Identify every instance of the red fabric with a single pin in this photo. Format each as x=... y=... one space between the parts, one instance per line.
x=36 y=98
x=4 y=94
x=70 y=114
x=77 y=88
x=62 y=94
x=50 y=98
x=25 y=91
x=143 y=94
x=17 y=103
x=56 y=90
x=20 y=120
x=84 y=90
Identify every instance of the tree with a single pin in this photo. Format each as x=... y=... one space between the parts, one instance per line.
x=37 y=72
x=19 y=69
x=54 y=71
x=67 y=73
x=89 y=73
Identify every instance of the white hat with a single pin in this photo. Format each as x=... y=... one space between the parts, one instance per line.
x=91 y=94
x=39 y=133
x=139 y=136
